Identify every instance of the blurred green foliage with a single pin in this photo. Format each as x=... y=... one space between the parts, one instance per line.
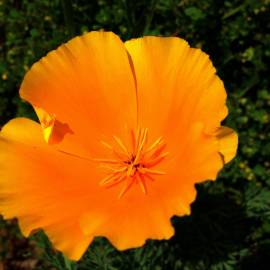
x=230 y=223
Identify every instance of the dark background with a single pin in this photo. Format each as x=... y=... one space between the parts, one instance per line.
x=230 y=223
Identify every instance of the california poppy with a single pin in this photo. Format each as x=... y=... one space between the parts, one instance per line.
x=126 y=130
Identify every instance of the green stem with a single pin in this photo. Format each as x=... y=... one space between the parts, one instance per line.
x=68 y=264
x=150 y=16
x=233 y=11
x=68 y=14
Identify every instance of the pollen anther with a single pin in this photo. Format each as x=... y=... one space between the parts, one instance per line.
x=134 y=164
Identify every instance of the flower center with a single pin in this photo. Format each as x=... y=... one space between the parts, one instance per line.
x=134 y=164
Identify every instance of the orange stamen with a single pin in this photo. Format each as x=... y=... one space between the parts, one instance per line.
x=133 y=164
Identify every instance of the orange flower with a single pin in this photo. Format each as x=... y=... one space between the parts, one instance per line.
x=126 y=130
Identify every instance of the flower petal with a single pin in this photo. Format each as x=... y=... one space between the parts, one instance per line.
x=54 y=131
x=61 y=194
x=128 y=222
x=228 y=141
x=176 y=85
x=85 y=83
x=136 y=217
x=65 y=235
x=197 y=160
x=180 y=98
x=45 y=188
x=133 y=219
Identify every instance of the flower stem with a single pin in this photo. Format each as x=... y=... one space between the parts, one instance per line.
x=68 y=14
